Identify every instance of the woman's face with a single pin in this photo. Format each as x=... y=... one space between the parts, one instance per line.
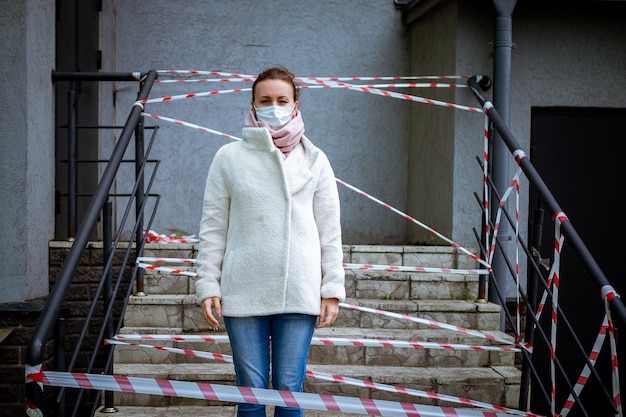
x=274 y=93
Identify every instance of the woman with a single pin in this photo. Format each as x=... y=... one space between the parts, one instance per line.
x=270 y=252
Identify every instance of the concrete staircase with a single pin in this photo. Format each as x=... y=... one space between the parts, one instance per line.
x=481 y=375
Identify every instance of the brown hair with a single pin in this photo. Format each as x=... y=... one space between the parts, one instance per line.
x=277 y=72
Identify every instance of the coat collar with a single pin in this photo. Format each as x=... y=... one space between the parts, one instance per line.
x=259 y=138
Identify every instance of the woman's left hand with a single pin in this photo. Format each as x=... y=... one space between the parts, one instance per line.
x=329 y=311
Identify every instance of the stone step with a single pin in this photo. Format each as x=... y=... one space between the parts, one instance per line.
x=371 y=283
x=171 y=310
x=497 y=385
x=409 y=255
x=436 y=307
x=231 y=411
x=355 y=354
x=392 y=285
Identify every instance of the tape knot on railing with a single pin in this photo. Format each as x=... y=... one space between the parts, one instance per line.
x=519 y=155
x=608 y=293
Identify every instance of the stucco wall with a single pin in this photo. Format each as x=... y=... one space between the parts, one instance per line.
x=562 y=56
x=364 y=135
x=450 y=39
x=26 y=143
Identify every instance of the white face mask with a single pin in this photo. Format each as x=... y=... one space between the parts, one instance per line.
x=274 y=115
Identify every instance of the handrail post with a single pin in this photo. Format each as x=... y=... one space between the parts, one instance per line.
x=531 y=291
x=107 y=238
x=60 y=328
x=71 y=162
x=139 y=197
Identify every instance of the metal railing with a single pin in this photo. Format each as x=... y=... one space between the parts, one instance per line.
x=109 y=293
x=537 y=390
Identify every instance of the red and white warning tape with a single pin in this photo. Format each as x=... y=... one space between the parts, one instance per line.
x=413 y=220
x=431 y=323
x=324 y=82
x=167 y=260
x=608 y=293
x=171 y=72
x=166 y=270
x=392 y=94
x=203 y=72
x=344 y=380
x=191 y=125
x=353 y=188
x=154 y=237
x=347 y=266
x=206 y=391
x=323 y=341
x=584 y=376
x=607 y=327
x=327 y=84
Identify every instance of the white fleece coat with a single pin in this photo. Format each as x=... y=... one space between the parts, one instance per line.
x=270 y=234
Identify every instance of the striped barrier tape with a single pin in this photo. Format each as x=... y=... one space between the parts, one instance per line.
x=485 y=164
x=551 y=274
x=191 y=125
x=202 y=72
x=606 y=327
x=353 y=188
x=347 y=266
x=229 y=76
x=413 y=220
x=559 y=218
x=392 y=94
x=167 y=99
x=166 y=270
x=431 y=323
x=343 y=380
x=228 y=393
x=390 y=85
x=584 y=376
x=353 y=87
x=154 y=237
x=323 y=341
x=608 y=293
x=167 y=260
x=330 y=82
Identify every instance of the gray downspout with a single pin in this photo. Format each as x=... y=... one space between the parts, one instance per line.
x=503 y=45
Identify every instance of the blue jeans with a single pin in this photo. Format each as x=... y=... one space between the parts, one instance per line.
x=290 y=336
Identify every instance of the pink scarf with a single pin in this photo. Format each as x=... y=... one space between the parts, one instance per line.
x=287 y=137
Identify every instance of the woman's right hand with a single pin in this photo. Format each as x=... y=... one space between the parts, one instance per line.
x=208 y=304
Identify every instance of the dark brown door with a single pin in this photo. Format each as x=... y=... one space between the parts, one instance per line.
x=577 y=151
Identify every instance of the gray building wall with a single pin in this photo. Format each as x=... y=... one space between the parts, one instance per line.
x=418 y=158
x=365 y=136
x=26 y=147
x=562 y=56
x=450 y=39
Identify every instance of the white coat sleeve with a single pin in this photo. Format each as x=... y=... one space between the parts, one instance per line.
x=213 y=230
x=328 y=218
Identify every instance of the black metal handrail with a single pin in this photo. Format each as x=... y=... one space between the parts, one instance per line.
x=617 y=306
x=58 y=294
x=533 y=327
